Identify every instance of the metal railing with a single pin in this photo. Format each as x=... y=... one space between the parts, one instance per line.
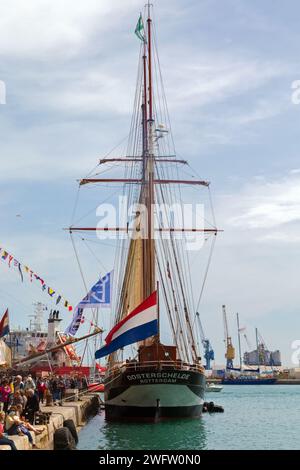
x=130 y=366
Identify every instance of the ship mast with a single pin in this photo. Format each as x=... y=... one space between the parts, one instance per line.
x=138 y=272
x=149 y=252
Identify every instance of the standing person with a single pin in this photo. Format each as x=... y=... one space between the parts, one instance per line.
x=41 y=388
x=54 y=389
x=61 y=387
x=4 y=441
x=32 y=405
x=84 y=383
x=5 y=392
x=72 y=383
x=18 y=383
x=29 y=383
x=12 y=385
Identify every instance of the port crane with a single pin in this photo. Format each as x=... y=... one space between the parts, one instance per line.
x=247 y=341
x=230 y=351
x=209 y=354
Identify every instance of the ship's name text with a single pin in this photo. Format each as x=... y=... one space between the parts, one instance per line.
x=158 y=377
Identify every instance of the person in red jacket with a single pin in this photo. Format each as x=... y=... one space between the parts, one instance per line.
x=5 y=392
x=41 y=388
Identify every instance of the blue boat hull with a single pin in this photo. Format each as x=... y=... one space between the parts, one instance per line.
x=266 y=381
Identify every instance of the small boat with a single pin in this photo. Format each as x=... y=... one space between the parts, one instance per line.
x=249 y=380
x=96 y=387
x=211 y=387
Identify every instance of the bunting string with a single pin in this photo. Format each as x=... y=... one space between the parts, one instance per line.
x=12 y=262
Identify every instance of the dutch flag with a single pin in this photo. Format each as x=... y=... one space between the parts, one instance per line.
x=141 y=323
x=4 y=325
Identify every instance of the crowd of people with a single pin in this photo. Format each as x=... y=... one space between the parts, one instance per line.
x=20 y=399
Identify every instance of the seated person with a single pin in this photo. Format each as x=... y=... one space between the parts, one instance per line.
x=15 y=426
x=4 y=441
x=19 y=399
x=32 y=405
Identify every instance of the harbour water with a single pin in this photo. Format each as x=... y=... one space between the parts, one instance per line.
x=255 y=417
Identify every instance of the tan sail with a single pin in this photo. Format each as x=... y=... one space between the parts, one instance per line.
x=132 y=290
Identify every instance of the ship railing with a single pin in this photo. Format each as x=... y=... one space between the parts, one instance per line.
x=131 y=366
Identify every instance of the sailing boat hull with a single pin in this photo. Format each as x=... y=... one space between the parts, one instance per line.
x=154 y=395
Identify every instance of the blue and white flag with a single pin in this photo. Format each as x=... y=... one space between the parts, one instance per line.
x=98 y=296
x=100 y=293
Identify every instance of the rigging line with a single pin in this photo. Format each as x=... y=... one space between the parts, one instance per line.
x=92 y=170
x=172 y=286
x=212 y=207
x=84 y=283
x=91 y=251
x=169 y=255
x=110 y=152
x=205 y=277
x=185 y=302
x=94 y=208
x=98 y=242
x=162 y=85
x=182 y=262
x=75 y=205
x=6 y=293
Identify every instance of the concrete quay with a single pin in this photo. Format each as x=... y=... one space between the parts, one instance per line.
x=74 y=410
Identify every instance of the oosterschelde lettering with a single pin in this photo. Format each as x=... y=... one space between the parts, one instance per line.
x=159 y=377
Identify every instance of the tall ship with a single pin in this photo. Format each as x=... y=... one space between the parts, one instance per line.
x=147 y=377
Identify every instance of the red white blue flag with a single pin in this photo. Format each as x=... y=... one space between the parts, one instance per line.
x=140 y=324
x=4 y=325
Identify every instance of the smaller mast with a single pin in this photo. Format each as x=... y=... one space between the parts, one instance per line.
x=257 y=347
x=239 y=338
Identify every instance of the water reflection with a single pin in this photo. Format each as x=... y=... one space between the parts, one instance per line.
x=168 y=435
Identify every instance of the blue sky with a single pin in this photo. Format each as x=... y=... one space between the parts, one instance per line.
x=228 y=66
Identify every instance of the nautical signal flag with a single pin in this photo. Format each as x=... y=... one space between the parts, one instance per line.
x=140 y=324
x=4 y=325
x=140 y=30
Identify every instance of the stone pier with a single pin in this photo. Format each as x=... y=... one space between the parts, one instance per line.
x=74 y=410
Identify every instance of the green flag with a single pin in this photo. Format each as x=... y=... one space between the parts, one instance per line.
x=140 y=30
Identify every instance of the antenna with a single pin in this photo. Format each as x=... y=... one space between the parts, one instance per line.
x=37 y=321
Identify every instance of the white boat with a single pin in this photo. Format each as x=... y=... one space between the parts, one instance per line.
x=211 y=387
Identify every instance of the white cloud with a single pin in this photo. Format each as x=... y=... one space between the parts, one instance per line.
x=268 y=204
x=39 y=28
x=219 y=77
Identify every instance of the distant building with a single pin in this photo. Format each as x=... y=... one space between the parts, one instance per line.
x=263 y=357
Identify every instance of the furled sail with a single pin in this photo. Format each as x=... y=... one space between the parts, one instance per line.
x=132 y=290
